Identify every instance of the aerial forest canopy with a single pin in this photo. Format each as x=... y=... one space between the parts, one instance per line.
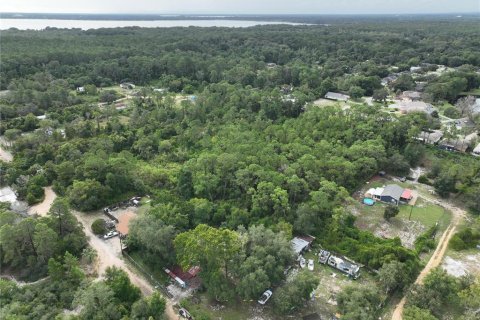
x=242 y=153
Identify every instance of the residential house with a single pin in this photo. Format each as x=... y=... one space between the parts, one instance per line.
x=389 y=79
x=415 y=69
x=413 y=106
x=430 y=137
x=457 y=144
x=271 y=65
x=81 y=89
x=127 y=85
x=391 y=194
x=336 y=96
x=411 y=96
x=394 y=194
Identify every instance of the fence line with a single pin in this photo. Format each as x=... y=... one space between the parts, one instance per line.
x=148 y=276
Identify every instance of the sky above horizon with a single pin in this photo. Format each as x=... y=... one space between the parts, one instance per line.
x=243 y=6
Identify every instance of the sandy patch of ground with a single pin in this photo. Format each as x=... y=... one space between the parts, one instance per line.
x=454 y=267
x=7 y=195
x=469 y=264
x=407 y=233
x=42 y=208
x=5 y=155
x=124 y=220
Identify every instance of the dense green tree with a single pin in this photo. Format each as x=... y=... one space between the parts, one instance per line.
x=415 y=313
x=359 y=302
x=295 y=293
x=152 y=307
x=122 y=288
x=98 y=302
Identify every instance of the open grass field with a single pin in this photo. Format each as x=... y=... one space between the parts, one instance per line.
x=407 y=225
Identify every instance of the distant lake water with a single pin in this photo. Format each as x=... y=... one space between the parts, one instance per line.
x=39 y=24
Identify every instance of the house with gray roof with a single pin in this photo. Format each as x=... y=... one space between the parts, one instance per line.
x=337 y=96
x=391 y=194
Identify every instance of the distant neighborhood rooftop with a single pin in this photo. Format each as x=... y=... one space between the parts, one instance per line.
x=432 y=137
x=413 y=106
x=337 y=96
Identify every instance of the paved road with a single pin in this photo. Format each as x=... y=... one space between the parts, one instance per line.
x=437 y=257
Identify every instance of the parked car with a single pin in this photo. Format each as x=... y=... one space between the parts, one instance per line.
x=302 y=262
x=265 y=296
x=185 y=314
x=110 y=234
x=310 y=264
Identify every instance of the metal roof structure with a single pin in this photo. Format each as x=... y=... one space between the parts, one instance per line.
x=337 y=96
x=298 y=245
x=394 y=191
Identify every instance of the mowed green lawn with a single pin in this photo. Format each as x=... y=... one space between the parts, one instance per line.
x=426 y=213
x=370 y=217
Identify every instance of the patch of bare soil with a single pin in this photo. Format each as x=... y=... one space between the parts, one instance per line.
x=5 y=155
x=469 y=264
x=407 y=233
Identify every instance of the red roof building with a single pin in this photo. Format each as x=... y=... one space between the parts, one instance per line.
x=407 y=194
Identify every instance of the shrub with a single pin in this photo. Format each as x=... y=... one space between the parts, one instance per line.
x=423 y=179
x=464 y=239
x=99 y=227
x=390 y=212
x=451 y=112
x=426 y=240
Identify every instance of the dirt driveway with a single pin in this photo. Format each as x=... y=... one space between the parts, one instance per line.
x=437 y=257
x=109 y=255
x=43 y=207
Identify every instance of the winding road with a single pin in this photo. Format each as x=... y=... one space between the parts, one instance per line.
x=108 y=257
x=437 y=257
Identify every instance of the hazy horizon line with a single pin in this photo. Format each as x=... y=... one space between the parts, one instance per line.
x=240 y=14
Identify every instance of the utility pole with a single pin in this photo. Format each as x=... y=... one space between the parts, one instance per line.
x=410 y=216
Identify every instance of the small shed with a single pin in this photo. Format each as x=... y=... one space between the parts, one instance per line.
x=407 y=195
x=301 y=243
